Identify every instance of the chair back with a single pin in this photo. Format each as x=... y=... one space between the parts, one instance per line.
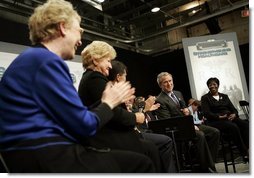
x=245 y=107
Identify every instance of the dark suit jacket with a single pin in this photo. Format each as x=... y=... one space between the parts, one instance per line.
x=213 y=108
x=168 y=108
x=120 y=129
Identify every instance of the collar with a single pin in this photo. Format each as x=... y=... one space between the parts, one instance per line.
x=39 y=45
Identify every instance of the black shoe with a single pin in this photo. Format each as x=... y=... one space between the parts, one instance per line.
x=245 y=159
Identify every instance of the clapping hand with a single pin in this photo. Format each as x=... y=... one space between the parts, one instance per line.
x=150 y=106
x=118 y=93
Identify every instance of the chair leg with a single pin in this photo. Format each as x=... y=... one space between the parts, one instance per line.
x=232 y=158
x=3 y=163
x=175 y=150
x=231 y=152
x=224 y=156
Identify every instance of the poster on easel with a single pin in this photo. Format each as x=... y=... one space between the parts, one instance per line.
x=216 y=56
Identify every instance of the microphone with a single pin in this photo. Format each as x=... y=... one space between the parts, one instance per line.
x=141 y=106
x=182 y=104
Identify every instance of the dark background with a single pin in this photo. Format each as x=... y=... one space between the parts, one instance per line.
x=142 y=69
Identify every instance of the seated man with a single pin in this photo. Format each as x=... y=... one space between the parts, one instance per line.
x=212 y=134
x=172 y=105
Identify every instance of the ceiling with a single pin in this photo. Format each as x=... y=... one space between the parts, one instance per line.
x=130 y=24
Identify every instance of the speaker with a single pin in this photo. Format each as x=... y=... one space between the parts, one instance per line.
x=213 y=25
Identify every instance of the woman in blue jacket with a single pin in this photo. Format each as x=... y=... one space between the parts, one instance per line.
x=42 y=119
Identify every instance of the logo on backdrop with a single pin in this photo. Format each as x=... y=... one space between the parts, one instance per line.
x=73 y=77
x=2 y=70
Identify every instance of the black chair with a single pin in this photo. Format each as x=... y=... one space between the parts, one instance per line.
x=229 y=152
x=245 y=107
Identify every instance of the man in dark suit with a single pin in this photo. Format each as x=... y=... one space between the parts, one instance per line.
x=172 y=104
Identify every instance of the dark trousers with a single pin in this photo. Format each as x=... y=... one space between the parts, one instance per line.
x=239 y=131
x=203 y=151
x=126 y=140
x=76 y=159
x=150 y=150
x=212 y=136
x=165 y=146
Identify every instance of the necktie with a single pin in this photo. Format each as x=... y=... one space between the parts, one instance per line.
x=174 y=99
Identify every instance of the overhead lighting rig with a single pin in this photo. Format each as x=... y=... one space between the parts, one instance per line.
x=95 y=3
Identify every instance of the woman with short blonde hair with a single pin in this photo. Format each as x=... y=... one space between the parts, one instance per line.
x=97 y=57
x=44 y=23
x=97 y=50
x=44 y=124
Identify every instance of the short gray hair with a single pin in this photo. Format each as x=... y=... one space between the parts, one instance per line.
x=44 y=22
x=160 y=75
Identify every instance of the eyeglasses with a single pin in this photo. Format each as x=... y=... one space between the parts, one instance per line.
x=80 y=30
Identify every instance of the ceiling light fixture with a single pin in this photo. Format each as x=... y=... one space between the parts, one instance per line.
x=99 y=1
x=94 y=3
x=155 y=9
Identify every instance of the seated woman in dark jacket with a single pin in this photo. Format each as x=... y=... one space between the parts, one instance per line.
x=221 y=113
x=119 y=132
